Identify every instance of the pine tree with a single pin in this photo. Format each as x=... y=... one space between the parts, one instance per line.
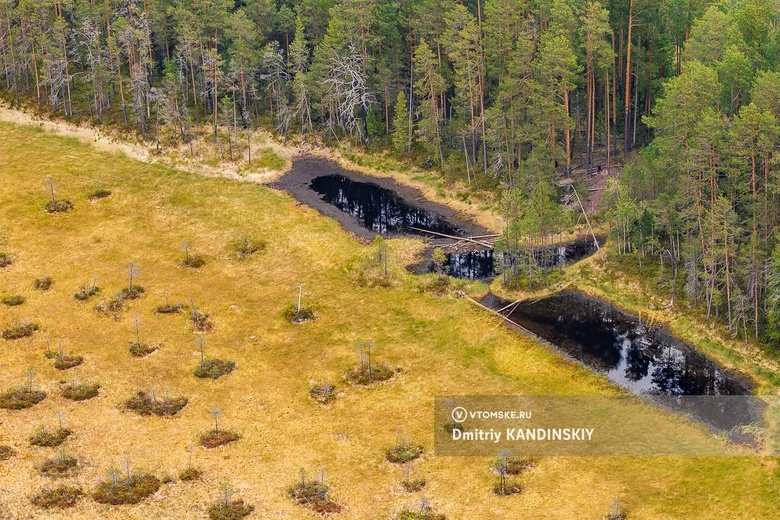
x=402 y=137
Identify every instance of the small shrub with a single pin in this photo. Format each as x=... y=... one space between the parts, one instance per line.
x=6 y=259
x=421 y=512
x=413 y=485
x=190 y=474
x=14 y=300
x=144 y=404
x=170 y=308
x=99 y=194
x=323 y=394
x=6 y=452
x=194 y=261
x=62 y=466
x=110 y=307
x=214 y=368
x=61 y=497
x=76 y=392
x=85 y=292
x=201 y=322
x=117 y=491
x=21 y=398
x=23 y=330
x=247 y=247
x=507 y=488
x=514 y=465
x=314 y=495
x=435 y=284
x=49 y=439
x=233 y=510
x=138 y=349
x=58 y=206
x=403 y=453
x=295 y=315
x=65 y=362
x=368 y=375
x=43 y=284
x=216 y=438
x=131 y=293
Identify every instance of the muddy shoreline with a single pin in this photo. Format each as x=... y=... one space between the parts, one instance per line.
x=307 y=168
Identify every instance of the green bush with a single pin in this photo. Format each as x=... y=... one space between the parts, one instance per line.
x=6 y=452
x=323 y=394
x=235 y=510
x=58 y=206
x=62 y=466
x=43 y=284
x=47 y=438
x=6 y=259
x=132 y=293
x=190 y=474
x=246 y=247
x=403 y=453
x=14 y=300
x=292 y=314
x=144 y=404
x=214 y=368
x=314 y=495
x=216 y=438
x=117 y=491
x=86 y=292
x=99 y=194
x=61 y=497
x=21 y=398
x=142 y=349
x=20 y=331
x=76 y=392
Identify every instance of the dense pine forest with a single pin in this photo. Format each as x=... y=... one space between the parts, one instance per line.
x=681 y=96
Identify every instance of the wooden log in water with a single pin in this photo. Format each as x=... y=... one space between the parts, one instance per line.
x=467 y=239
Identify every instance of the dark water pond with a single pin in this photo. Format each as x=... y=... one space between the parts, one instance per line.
x=478 y=264
x=377 y=208
x=648 y=361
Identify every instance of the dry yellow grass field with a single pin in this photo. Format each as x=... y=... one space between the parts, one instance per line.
x=443 y=344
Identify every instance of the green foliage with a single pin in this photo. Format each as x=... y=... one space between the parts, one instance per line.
x=400 y=135
x=61 y=466
x=61 y=497
x=214 y=368
x=217 y=438
x=439 y=260
x=147 y=403
x=247 y=247
x=118 y=489
x=295 y=314
x=314 y=495
x=22 y=330
x=190 y=474
x=14 y=300
x=403 y=452
x=20 y=398
x=49 y=438
x=80 y=392
x=43 y=284
x=6 y=452
x=234 y=510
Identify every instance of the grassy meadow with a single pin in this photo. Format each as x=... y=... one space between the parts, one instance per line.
x=442 y=344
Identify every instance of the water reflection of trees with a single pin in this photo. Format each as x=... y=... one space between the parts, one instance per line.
x=377 y=208
x=602 y=336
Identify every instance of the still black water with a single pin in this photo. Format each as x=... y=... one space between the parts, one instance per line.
x=475 y=265
x=378 y=209
x=648 y=361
